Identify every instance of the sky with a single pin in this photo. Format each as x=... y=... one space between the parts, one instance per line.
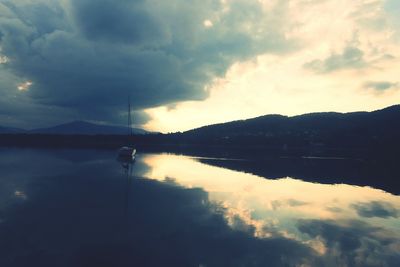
x=185 y=64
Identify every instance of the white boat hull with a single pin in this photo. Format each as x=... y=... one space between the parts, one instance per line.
x=127 y=152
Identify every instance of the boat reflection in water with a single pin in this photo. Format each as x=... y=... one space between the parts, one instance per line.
x=127 y=160
x=127 y=163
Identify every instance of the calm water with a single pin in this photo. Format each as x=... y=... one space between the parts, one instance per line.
x=84 y=208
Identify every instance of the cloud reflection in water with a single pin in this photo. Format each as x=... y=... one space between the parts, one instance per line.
x=81 y=210
x=346 y=225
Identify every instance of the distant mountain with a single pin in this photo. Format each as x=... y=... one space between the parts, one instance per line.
x=87 y=128
x=9 y=130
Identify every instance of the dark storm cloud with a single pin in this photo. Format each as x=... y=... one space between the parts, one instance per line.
x=17 y=108
x=376 y=209
x=351 y=57
x=117 y=21
x=140 y=117
x=88 y=56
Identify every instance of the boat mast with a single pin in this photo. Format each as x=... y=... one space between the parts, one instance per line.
x=129 y=116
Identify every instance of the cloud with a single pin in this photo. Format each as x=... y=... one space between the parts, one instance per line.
x=353 y=243
x=381 y=85
x=140 y=118
x=84 y=58
x=376 y=209
x=130 y=22
x=351 y=57
x=87 y=56
x=276 y=204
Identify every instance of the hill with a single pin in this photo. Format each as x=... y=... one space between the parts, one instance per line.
x=86 y=128
x=9 y=130
x=310 y=123
x=355 y=129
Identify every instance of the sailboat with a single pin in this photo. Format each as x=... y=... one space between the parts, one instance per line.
x=128 y=152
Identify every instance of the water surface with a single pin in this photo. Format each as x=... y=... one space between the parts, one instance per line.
x=85 y=208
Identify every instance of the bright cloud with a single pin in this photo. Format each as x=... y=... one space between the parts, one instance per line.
x=347 y=61
x=208 y=23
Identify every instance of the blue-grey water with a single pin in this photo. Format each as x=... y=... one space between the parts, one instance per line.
x=85 y=208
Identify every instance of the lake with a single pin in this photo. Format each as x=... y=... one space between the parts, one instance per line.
x=85 y=208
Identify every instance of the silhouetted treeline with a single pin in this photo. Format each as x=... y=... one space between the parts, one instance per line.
x=359 y=133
